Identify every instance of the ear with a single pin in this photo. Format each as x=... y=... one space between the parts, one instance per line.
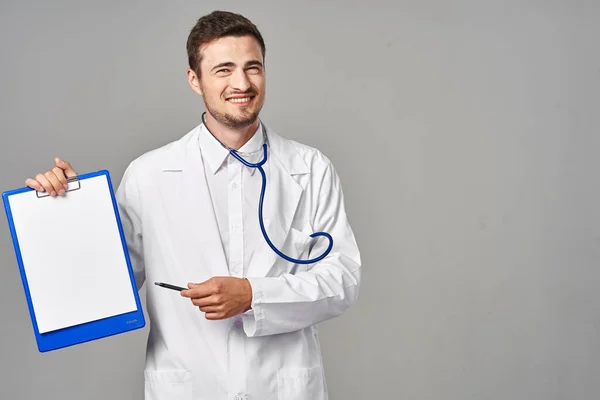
x=194 y=81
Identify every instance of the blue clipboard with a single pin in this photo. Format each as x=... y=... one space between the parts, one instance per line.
x=88 y=331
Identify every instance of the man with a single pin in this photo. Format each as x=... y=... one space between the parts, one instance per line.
x=189 y=213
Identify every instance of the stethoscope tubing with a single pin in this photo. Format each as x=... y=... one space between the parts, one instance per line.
x=260 y=212
x=263 y=189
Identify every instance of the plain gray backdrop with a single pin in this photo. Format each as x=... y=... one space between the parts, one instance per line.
x=466 y=136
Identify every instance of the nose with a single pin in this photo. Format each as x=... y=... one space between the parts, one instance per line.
x=239 y=81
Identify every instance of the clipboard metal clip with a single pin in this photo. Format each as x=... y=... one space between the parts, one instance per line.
x=73 y=182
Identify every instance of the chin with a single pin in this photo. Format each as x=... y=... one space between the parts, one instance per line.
x=237 y=117
x=238 y=120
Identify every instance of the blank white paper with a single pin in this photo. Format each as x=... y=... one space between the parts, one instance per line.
x=73 y=255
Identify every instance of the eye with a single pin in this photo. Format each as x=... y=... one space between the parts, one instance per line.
x=254 y=69
x=223 y=71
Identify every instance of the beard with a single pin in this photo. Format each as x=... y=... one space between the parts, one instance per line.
x=243 y=120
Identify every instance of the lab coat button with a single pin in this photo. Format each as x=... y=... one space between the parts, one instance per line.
x=240 y=397
x=234 y=185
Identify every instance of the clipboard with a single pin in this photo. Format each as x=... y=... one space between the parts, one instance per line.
x=74 y=263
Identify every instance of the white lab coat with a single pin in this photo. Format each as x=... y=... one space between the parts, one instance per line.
x=271 y=352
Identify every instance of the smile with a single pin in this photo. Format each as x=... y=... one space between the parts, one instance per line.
x=240 y=100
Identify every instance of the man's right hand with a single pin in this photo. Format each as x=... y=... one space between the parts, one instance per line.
x=53 y=181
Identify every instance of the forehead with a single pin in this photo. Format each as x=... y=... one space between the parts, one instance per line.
x=230 y=49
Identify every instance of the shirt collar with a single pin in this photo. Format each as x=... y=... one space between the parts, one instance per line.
x=215 y=154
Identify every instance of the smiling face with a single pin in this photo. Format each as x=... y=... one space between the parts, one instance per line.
x=232 y=80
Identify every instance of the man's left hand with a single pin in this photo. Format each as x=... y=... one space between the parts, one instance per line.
x=220 y=297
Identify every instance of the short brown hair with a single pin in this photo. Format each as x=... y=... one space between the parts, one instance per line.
x=214 y=26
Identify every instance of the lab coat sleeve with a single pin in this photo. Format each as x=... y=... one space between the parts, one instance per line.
x=128 y=201
x=291 y=302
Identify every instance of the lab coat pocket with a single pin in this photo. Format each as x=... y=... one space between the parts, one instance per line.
x=297 y=242
x=168 y=384
x=301 y=384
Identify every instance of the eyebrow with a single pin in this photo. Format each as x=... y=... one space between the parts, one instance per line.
x=231 y=64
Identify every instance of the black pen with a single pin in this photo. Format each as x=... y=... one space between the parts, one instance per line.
x=166 y=285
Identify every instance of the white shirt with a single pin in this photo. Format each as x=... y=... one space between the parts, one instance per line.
x=235 y=190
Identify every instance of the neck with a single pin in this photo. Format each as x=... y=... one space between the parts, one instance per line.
x=232 y=138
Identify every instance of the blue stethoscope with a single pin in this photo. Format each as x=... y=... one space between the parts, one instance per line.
x=262 y=197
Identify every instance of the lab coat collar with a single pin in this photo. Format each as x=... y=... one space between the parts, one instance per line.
x=216 y=155
x=285 y=151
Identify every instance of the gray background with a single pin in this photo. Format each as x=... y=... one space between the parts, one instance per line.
x=465 y=134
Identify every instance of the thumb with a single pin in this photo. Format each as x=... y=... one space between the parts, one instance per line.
x=65 y=166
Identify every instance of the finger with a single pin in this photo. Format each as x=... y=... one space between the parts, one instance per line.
x=197 y=291
x=211 y=309
x=214 y=316
x=32 y=183
x=69 y=171
x=53 y=179
x=207 y=301
x=45 y=184
x=60 y=175
x=189 y=293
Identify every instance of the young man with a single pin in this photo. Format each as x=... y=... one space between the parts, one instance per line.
x=246 y=327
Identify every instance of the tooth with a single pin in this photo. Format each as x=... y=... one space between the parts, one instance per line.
x=240 y=100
